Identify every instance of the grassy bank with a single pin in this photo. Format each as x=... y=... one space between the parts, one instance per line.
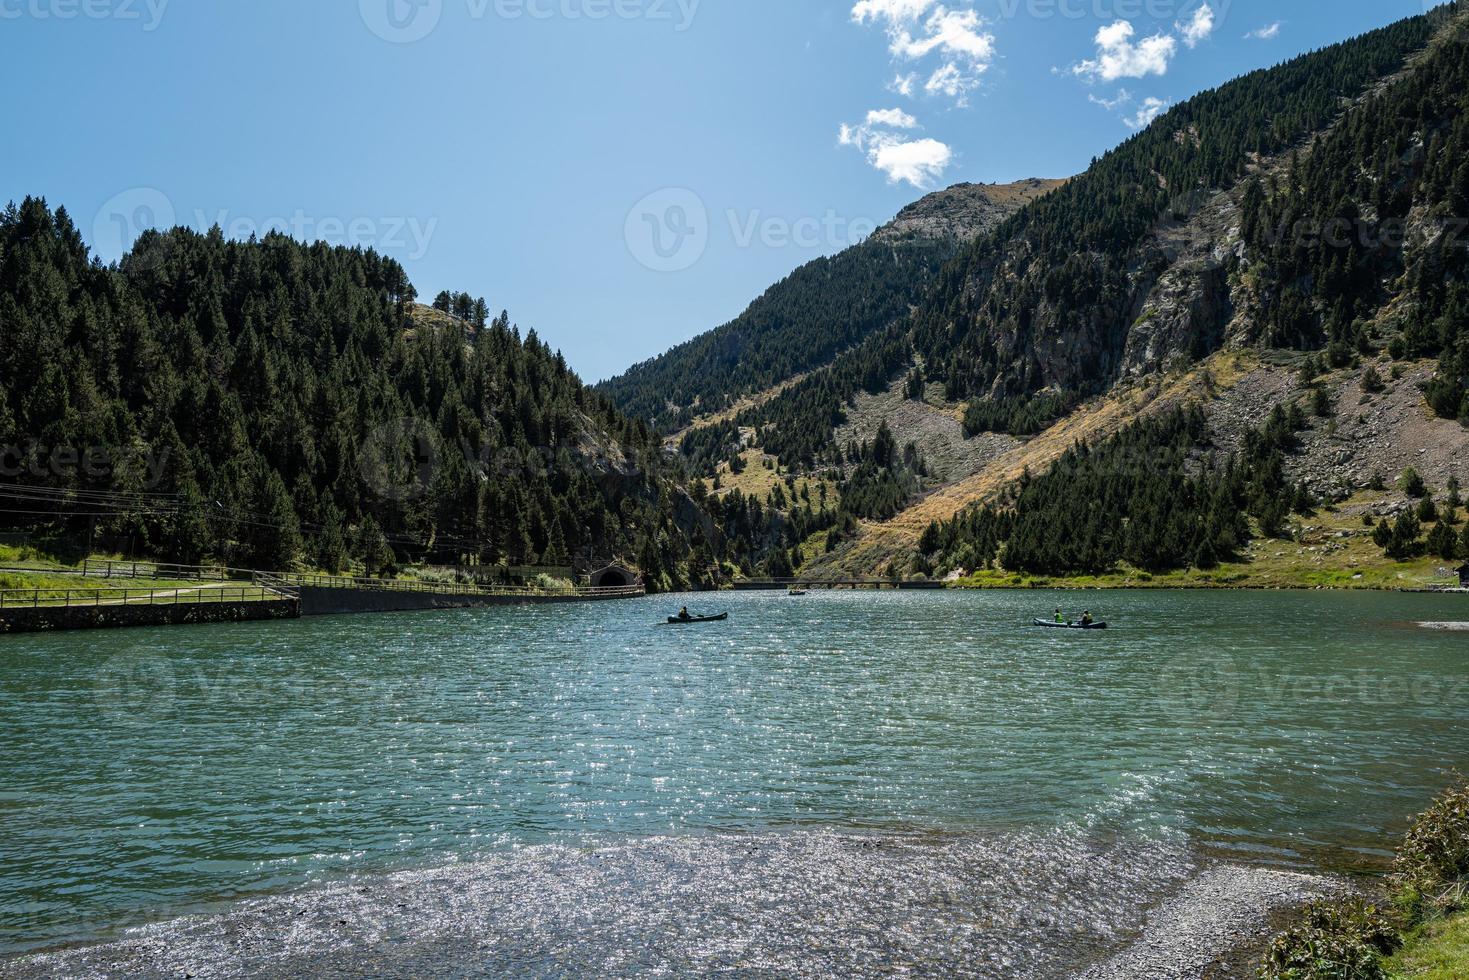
x=1421 y=931
x=1438 y=951
x=56 y=582
x=1333 y=549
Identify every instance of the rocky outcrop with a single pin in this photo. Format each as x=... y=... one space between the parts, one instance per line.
x=963 y=211
x=1182 y=320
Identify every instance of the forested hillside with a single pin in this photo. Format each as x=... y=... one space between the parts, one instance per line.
x=1318 y=206
x=269 y=403
x=822 y=309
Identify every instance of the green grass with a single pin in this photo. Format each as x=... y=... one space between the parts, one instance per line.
x=1332 y=550
x=1440 y=951
x=54 y=589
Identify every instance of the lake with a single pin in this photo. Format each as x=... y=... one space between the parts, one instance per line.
x=152 y=773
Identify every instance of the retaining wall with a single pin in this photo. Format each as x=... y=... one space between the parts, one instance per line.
x=39 y=619
x=318 y=601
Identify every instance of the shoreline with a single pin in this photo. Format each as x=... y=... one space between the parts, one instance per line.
x=833 y=903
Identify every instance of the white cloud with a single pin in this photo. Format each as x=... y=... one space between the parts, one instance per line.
x=1118 y=57
x=896 y=118
x=920 y=162
x=1198 y=28
x=1267 y=33
x=892 y=11
x=903 y=84
x=1150 y=109
x=919 y=29
x=956 y=51
x=954 y=32
x=951 y=81
x=1122 y=98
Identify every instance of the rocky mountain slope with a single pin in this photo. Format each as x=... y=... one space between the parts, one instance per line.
x=821 y=309
x=1260 y=246
x=963 y=211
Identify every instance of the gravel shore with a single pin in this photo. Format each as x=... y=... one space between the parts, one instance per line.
x=1216 y=927
x=1010 y=907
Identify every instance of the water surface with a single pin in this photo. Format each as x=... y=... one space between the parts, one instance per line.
x=150 y=772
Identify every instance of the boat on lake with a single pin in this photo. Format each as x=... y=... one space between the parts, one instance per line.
x=681 y=621
x=1070 y=626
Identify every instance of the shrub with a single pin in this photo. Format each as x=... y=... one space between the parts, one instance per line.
x=1427 y=510
x=1433 y=861
x=1413 y=484
x=1372 y=381
x=1443 y=542
x=1404 y=543
x=547 y=583
x=1343 y=940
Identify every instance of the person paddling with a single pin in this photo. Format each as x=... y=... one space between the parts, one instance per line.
x=1060 y=619
x=684 y=614
x=1086 y=618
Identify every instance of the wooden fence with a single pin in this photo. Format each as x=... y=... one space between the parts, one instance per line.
x=82 y=598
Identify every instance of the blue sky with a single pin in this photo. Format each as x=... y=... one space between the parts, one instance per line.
x=619 y=174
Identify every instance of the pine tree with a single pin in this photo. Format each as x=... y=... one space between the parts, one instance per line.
x=1443 y=542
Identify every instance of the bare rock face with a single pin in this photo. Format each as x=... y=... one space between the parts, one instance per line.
x=963 y=211
x=1182 y=320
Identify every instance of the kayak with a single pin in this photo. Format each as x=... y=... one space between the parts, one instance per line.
x=1070 y=626
x=675 y=621
x=796 y=592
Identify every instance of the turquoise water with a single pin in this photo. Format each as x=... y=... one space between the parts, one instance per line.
x=149 y=772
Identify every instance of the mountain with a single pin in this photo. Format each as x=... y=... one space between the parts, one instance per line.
x=273 y=404
x=818 y=311
x=1291 y=240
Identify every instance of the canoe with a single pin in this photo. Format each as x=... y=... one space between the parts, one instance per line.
x=675 y=621
x=1070 y=626
x=796 y=592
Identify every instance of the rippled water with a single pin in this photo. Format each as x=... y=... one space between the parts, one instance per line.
x=146 y=773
